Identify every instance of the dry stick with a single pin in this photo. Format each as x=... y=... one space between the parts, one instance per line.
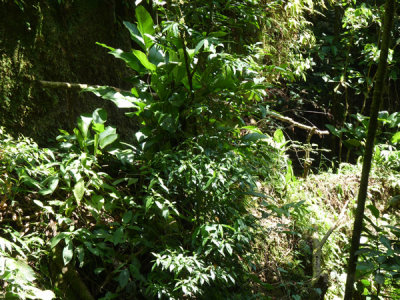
x=317 y=246
x=373 y=124
x=297 y=124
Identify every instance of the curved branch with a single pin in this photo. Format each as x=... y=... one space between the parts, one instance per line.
x=297 y=124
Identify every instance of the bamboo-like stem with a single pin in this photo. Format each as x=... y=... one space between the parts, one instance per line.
x=369 y=148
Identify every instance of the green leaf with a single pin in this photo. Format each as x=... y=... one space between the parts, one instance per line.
x=156 y=56
x=209 y=181
x=83 y=125
x=98 y=128
x=79 y=190
x=127 y=57
x=123 y=278
x=333 y=130
x=68 y=252
x=120 y=99
x=395 y=201
x=107 y=137
x=165 y=213
x=24 y=272
x=352 y=143
x=149 y=203
x=30 y=181
x=132 y=181
x=144 y=60
x=254 y=136
x=228 y=248
x=55 y=240
x=53 y=183
x=81 y=255
x=169 y=122
x=386 y=242
x=135 y=34
x=145 y=25
x=365 y=282
x=97 y=271
x=365 y=266
x=127 y=217
x=118 y=236
x=99 y=116
x=373 y=210
x=279 y=137
x=396 y=137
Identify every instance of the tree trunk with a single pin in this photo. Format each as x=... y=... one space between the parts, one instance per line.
x=373 y=124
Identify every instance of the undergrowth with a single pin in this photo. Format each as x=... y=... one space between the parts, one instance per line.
x=328 y=200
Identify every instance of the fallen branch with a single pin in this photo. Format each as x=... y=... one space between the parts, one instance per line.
x=75 y=86
x=297 y=124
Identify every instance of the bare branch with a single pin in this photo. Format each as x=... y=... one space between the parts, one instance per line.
x=297 y=124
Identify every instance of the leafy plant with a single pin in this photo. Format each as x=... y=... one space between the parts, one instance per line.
x=379 y=268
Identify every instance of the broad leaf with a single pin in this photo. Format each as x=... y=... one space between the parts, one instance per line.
x=156 y=56
x=396 y=137
x=123 y=278
x=373 y=210
x=83 y=125
x=107 y=137
x=333 y=130
x=127 y=57
x=120 y=99
x=68 y=252
x=254 y=136
x=118 y=236
x=145 y=25
x=278 y=136
x=135 y=34
x=144 y=60
x=52 y=185
x=55 y=240
x=99 y=116
x=79 y=190
x=24 y=272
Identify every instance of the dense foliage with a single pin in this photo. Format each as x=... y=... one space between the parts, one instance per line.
x=201 y=201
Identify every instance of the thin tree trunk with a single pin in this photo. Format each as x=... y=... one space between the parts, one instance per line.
x=373 y=124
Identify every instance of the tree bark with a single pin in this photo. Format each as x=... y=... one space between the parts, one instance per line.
x=373 y=124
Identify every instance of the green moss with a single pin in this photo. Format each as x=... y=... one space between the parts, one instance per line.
x=57 y=42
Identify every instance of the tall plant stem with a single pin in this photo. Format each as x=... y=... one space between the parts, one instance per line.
x=373 y=124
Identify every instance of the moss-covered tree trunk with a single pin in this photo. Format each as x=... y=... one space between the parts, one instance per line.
x=373 y=124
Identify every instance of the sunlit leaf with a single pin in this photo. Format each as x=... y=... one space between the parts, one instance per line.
x=144 y=60
x=107 y=137
x=68 y=252
x=79 y=190
x=145 y=25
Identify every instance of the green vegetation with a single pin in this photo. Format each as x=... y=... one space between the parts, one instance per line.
x=182 y=182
